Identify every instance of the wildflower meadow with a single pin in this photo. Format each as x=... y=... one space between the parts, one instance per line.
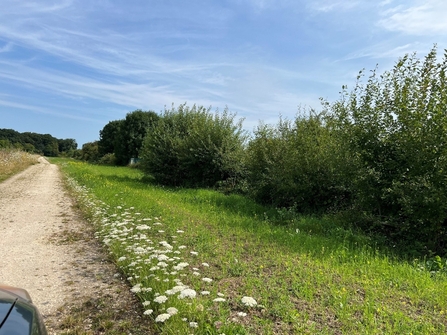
x=201 y=262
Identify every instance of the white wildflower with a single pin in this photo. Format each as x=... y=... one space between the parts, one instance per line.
x=205 y=264
x=205 y=292
x=148 y=312
x=249 y=301
x=172 y=310
x=219 y=300
x=162 y=317
x=180 y=266
x=176 y=289
x=162 y=264
x=136 y=288
x=207 y=280
x=187 y=293
x=161 y=299
x=242 y=314
x=193 y=324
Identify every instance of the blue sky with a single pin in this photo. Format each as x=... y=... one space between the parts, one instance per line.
x=69 y=67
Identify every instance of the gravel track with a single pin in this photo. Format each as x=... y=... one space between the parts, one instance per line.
x=47 y=248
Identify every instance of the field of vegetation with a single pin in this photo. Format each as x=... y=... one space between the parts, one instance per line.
x=334 y=222
x=13 y=161
x=202 y=262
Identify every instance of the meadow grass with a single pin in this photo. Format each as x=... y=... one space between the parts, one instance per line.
x=206 y=263
x=13 y=161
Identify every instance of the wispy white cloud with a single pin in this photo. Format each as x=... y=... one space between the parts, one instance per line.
x=382 y=50
x=259 y=57
x=41 y=110
x=7 y=47
x=34 y=7
x=331 y=5
x=423 y=18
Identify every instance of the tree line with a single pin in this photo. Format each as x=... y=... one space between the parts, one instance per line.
x=42 y=144
x=377 y=156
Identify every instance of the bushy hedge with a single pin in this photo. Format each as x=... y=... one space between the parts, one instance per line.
x=395 y=127
x=194 y=147
x=379 y=153
x=297 y=164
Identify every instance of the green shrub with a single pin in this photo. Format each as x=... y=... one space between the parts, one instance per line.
x=194 y=147
x=297 y=164
x=395 y=128
x=108 y=159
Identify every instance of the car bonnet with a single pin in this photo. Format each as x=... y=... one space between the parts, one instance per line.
x=7 y=301
x=15 y=315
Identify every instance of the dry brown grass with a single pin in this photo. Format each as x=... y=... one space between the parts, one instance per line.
x=13 y=161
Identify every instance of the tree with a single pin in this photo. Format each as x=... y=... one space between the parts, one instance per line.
x=108 y=137
x=89 y=152
x=67 y=145
x=131 y=133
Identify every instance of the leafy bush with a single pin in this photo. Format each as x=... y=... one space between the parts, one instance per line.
x=89 y=152
x=108 y=159
x=395 y=128
x=297 y=164
x=194 y=147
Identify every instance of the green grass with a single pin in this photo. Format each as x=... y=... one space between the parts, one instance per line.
x=308 y=275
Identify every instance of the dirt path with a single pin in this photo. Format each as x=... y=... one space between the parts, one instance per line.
x=49 y=250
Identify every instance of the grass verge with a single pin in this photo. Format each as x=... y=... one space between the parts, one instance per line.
x=205 y=263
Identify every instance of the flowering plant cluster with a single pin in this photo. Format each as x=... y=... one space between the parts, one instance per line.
x=158 y=267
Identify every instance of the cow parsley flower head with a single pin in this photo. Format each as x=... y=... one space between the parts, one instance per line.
x=172 y=310
x=187 y=293
x=249 y=301
x=148 y=312
x=161 y=299
x=162 y=317
x=180 y=266
x=176 y=289
x=136 y=288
